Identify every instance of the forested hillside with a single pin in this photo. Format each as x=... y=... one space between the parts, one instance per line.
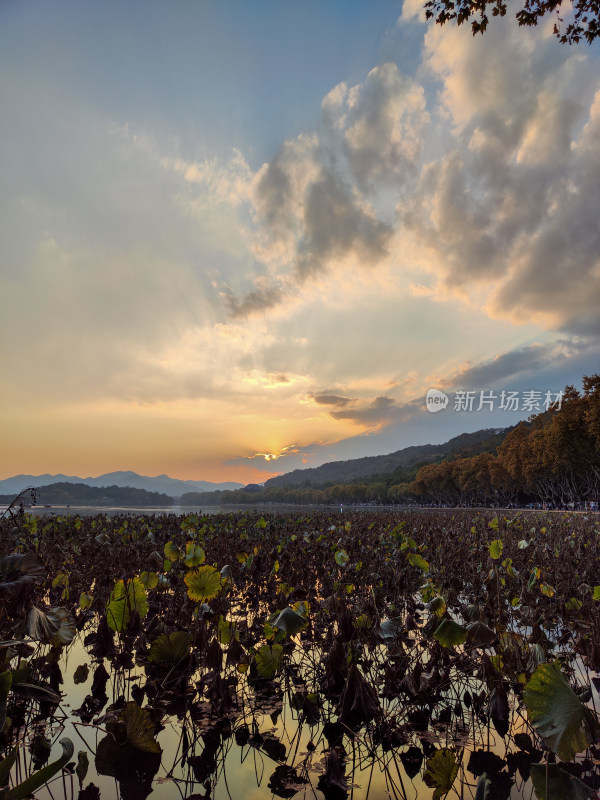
x=80 y=494
x=371 y=466
x=555 y=458
x=378 y=479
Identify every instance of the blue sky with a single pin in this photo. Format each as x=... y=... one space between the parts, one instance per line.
x=239 y=238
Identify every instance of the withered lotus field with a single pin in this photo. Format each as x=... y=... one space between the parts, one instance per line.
x=362 y=655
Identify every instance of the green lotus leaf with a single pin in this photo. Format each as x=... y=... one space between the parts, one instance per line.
x=479 y=634
x=42 y=776
x=61 y=579
x=440 y=773
x=574 y=604
x=290 y=622
x=268 y=660
x=226 y=631
x=535 y=574
x=363 y=623
x=203 y=584
x=437 y=606
x=472 y=613
x=417 y=560
x=560 y=785
x=301 y=607
x=341 y=557
x=149 y=580
x=85 y=601
x=124 y=598
x=170 y=649
x=155 y=560
x=496 y=547
x=172 y=551
x=449 y=633
x=194 y=555
x=535 y=656
x=7 y=764
x=556 y=712
x=269 y=631
x=139 y=728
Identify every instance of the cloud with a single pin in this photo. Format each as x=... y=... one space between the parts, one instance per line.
x=380 y=123
x=254 y=302
x=378 y=413
x=331 y=399
x=310 y=202
x=140 y=272
x=292 y=453
x=228 y=183
x=337 y=223
x=412 y=9
x=526 y=360
x=334 y=223
x=278 y=197
x=508 y=214
x=501 y=211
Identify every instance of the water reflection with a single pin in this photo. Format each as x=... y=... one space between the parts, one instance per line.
x=265 y=747
x=315 y=663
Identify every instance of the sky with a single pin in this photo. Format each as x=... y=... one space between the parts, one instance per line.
x=243 y=238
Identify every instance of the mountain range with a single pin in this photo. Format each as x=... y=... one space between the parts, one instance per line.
x=160 y=483
x=370 y=467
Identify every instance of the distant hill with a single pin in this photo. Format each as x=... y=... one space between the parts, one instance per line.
x=161 y=483
x=79 y=494
x=343 y=472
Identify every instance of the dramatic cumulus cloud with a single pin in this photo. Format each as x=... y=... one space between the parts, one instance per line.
x=500 y=208
x=380 y=123
x=511 y=208
x=338 y=224
x=315 y=204
x=311 y=216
